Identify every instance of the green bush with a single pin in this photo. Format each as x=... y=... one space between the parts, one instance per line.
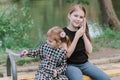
x=15 y=23
x=109 y=38
x=26 y=60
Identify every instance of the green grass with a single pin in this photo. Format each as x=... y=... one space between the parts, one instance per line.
x=109 y=39
x=26 y=60
x=3 y=56
x=1 y=74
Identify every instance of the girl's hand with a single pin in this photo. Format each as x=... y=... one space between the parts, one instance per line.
x=54 y=73
x=84 y=23
x=24 y=52
x=82 y=29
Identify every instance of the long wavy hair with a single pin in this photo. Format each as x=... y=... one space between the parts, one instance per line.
x=80 y=7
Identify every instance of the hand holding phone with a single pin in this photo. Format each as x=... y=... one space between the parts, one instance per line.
x=82 y=28
x=84 y=24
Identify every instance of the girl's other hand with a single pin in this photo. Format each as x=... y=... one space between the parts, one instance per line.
x=82 y=29
x=24 y=52
x=84 y=24
x=54 y=73
x=80 y=32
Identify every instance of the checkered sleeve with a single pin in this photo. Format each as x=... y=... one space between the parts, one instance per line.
x=63 y=65
x=35 y=52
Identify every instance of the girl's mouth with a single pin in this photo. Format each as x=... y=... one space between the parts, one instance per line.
x=77 y=22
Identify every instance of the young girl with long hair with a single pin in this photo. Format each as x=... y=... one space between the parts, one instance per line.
x=81 y=46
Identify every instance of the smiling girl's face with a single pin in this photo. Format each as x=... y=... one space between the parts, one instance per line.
x=76 y=18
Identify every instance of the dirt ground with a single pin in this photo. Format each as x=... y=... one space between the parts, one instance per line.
x=104 y=53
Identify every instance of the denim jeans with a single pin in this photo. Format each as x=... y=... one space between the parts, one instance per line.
x=76 y=71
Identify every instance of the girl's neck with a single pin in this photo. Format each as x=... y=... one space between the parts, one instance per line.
x=72 y=28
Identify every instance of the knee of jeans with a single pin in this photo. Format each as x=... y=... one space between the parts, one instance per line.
x=73 y=70
x=74 y=73
x=106 y=78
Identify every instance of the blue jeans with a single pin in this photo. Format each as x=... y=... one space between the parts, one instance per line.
x=76 y=71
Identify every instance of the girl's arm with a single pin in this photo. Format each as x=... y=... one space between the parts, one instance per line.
x=63 y=65
x=88 y=45
x=79 y=33
x=33 y=52
x=71 y=48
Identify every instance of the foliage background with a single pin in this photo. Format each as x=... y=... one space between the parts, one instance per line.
x=24 y=23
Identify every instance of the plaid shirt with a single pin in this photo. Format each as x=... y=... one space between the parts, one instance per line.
x=50 y=59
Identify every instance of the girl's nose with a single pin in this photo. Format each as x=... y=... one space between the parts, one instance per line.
x=78 y=18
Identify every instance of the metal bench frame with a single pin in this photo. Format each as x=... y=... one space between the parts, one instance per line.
x=11 y=65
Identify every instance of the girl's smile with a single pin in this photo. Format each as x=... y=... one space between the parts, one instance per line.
x=76 y=18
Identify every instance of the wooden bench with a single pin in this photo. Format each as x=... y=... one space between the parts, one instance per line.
x=111 y=73
x=11 y=68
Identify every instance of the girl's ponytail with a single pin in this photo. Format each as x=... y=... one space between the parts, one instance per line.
x=68 y=41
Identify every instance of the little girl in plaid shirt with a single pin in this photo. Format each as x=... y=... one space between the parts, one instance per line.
x=52 y=54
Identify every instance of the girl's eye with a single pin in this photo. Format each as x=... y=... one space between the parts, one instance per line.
x=76 y=15
x=81 y=17
x=50 y=41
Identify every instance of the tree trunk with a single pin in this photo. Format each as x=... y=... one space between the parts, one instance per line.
x=109 y=15
x=61 y=12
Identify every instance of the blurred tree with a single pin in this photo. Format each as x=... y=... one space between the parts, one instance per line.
x=78 y=1
x=109 y=16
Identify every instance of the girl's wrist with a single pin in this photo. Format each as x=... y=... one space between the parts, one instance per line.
x=77 y=37
x=84 y=35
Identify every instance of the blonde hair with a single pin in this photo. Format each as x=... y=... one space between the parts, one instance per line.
x=55 y=33
x=77 y=7
x=80 y=7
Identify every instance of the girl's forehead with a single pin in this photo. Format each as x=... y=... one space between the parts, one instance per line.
x=50 y=37
x=80 y=12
